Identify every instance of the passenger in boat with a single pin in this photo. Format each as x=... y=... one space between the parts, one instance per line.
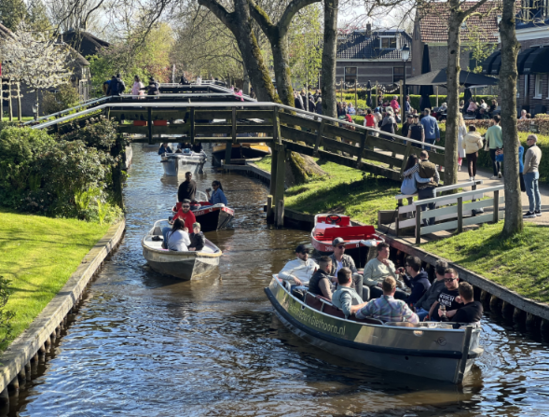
x=177 y=238
x=197 y=238
x=345 y=297
x=217 y=196
x=321 y=281
x=416 y=279
x=472 y=310
x=187 y=189
x=299 y=271
x=431 y=295
x=164 y=148
x=377 y=270
x=448 y=297
x=340 y=260
x=386 y=308
x=185 y=213
x=197 y=147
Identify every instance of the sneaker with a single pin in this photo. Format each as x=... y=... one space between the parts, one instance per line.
x=471 y=179
x=499 y=175
x=537 y=213
x=494 y=177
x=529 y=215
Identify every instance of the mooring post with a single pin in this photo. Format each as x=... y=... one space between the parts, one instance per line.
x=278 y=180
x=150 y=124
x=280 y=214
x=270 y=209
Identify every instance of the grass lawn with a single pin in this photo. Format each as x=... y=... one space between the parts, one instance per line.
x=15 y=119
x=520 y=263
x=39 y=254
x=347 y=191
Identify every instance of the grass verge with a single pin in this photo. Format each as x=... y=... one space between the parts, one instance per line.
x=39 y=254
x=520 y=263
x=346 y=191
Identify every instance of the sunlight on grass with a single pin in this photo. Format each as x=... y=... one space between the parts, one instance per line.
x=39 y=254
x=520 y=263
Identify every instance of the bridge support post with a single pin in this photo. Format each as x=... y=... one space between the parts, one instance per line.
x=150 y=125
x=278 y=174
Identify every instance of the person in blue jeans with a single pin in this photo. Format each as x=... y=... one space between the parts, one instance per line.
x=532 y=159
x=430 y=126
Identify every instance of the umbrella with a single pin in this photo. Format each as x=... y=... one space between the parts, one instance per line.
x=440 y=78
x=425 y=90
x=369 y=98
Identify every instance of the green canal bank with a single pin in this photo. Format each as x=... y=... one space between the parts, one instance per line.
x=512 y=273
x=49 y=262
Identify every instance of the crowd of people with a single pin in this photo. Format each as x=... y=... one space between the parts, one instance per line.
x=383 y=291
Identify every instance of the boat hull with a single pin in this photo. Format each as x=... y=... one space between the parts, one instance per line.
x=429 y=353
x=178 y=164
x=213 y=218
x=186 y=269
x=242 y=151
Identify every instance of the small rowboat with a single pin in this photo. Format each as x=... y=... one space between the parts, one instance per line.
x=182 y=265
x=428 y=350
x=179 y=163
x=327 y=227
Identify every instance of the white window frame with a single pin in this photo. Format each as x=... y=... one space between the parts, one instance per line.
x=388 y=36
x=538 y=84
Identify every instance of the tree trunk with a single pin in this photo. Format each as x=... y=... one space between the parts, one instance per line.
x=452 y=72
x=508 y=98
x=328 y=80
x=302 y=168
x=282 y=72
x=246 y=81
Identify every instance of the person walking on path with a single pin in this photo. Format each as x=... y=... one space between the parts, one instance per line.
x=531 y=177
x=138 y=89
x=494 y=143
x=430 y=125
x=416 y=131
x=472 y=143
x=462 y=131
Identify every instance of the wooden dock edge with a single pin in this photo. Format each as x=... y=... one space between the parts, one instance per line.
x=26 y=346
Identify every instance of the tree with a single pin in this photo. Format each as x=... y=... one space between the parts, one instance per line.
x=458 y=15
x=329 y=55
x=35 y=60
x=508 y=98
x=12 y=12
x=37 y=17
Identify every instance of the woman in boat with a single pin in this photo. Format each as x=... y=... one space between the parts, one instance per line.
x=178 y=237
x=218 y=196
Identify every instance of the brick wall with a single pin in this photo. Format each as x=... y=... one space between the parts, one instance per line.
x=526 y=98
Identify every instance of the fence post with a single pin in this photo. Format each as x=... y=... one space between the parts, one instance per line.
x=319 y=135
x=496 y=206
x=460 y=215
x=277 y=139
x=418 y=225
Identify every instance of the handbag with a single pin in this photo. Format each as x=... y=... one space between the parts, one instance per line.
x=408 y=186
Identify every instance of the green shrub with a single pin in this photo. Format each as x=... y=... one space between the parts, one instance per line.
x=101 y=135
x=65 y=97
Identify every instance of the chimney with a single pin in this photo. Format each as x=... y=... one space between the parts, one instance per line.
x=369 y=30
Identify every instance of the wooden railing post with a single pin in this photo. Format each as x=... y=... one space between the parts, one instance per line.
x=319 y=135
x=496 y=206
x=460 y=214
x=362 y=145
x=418 y=225
x=276 y=128
x=150 y=125
x=192 y=125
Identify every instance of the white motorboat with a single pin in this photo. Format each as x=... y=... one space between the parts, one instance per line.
x=178 y=163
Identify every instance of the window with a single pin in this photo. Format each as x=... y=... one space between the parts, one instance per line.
x=398 y=74
x=537 y=86
x=350 y=75
x=388 y=42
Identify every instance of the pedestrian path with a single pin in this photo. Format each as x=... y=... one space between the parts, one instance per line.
x=484 y=175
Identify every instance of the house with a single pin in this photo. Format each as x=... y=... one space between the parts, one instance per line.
x=84 y=42
x=430 y=37
x=532 y=28
x=80 y=79
x=375 y=56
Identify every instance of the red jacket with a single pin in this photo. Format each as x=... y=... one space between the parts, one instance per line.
x=187 y=217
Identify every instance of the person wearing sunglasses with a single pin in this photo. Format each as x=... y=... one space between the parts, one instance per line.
x=341 y=260
x=184 y=212
x=448 y=299
x=218 y=196
x=300 y=270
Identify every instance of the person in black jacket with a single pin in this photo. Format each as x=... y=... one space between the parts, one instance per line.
x=187 y=189
x=415 y=279
x=197 y=238
x=153 y=88
x=472 y=310
x=116 y=86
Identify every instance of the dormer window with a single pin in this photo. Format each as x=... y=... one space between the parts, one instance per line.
x=388 y=42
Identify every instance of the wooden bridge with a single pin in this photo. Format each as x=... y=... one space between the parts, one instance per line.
x=217 y=115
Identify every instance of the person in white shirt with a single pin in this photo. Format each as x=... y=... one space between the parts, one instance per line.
x=300 y=270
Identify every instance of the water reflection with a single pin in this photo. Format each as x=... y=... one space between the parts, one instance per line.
x=144 y=344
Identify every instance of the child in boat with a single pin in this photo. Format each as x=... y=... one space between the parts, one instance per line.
x=197 y=238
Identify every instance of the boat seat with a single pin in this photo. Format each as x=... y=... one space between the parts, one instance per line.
x=369 y=320
x=320 y=303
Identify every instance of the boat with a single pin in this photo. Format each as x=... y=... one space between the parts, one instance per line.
x=358 y=239
x=179 y=163
x=242 y=151
x=183 y=265
x=428 y=349
x=210 y=216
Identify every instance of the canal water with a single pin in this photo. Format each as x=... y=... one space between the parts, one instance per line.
x=143 y=344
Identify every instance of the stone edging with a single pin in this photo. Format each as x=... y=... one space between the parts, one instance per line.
x=26 y=346
x=510 y=297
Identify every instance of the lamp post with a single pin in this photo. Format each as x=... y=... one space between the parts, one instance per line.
x=405 y=53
